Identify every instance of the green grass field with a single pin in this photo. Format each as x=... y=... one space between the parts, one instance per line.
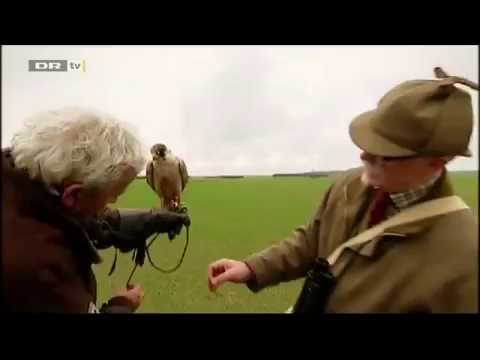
x=231 y=218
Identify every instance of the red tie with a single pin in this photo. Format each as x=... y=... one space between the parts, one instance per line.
x=381 y=200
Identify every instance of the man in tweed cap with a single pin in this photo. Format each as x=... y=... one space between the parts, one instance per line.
x=424 y=263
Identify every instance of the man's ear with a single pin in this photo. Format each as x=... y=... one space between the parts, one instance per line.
x=71 y=194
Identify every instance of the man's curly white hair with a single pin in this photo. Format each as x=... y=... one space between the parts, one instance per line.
x=76 y=145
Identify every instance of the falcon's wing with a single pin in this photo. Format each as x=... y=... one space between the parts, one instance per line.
x=149 y=175
x=183 y=173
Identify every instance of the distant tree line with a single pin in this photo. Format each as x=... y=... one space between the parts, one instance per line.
x=303 y=174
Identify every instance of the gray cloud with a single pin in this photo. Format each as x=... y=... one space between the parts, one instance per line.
x=232 y=109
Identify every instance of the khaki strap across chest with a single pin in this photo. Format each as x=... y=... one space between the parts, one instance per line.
x=419 y=212
x=422 y=211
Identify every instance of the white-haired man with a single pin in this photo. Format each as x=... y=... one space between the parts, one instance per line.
x=59 y=174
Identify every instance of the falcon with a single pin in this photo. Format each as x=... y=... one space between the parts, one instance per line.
x=167 y=175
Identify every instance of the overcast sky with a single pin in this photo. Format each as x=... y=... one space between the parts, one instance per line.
x=232 y=109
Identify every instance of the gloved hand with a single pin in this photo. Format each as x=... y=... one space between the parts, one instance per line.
x=137 y=225
x=164 y=221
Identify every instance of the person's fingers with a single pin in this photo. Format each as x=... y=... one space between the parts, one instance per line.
x=217 y=267
x=220 y=263
x=135 y=292
x=220 y=279
x=218 y=270
x=213 y=271
x=210 y=285
x=217 y=273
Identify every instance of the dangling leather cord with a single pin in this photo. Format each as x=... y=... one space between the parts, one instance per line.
x=167 y=271
x=139 y=256
x=114 y=264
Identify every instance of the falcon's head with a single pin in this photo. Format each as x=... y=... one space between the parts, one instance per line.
x=158 y=151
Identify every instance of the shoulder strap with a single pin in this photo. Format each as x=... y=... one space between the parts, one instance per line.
x=422 y=211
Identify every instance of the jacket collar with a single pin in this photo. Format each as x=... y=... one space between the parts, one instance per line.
x=357 y=196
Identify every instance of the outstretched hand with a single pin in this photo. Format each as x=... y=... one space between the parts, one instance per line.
x=227 y=270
